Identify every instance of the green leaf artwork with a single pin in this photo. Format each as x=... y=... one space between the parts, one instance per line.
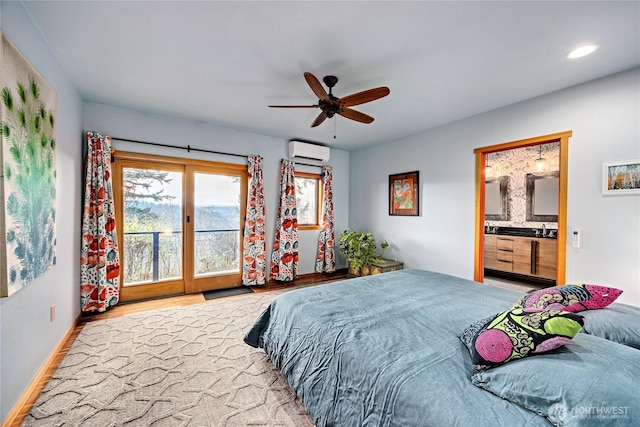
x=28 y=143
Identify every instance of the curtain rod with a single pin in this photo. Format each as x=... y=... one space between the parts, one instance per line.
x=190 y=148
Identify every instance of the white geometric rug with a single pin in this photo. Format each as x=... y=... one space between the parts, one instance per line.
x=185 y=366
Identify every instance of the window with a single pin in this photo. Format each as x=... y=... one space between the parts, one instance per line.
x=309 y=200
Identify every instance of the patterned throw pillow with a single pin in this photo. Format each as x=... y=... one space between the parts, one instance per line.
x=518 y=333
x=571 y=298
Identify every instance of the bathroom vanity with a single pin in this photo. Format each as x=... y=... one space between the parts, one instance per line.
x=521 y=251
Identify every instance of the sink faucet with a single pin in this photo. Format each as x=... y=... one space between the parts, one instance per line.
x=489 y=229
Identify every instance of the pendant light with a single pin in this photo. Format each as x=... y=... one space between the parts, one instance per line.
x=541 y=165
x=488 y=170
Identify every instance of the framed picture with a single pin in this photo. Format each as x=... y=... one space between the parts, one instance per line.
x=620 y=178
x=404 y=194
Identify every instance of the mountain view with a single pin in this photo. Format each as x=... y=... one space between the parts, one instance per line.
x=153 y=241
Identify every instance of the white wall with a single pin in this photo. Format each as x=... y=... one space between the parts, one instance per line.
x=128 y=124
x=27 y=337
x=604 y=117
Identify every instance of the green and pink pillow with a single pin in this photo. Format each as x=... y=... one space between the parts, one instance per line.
x=518 y=333
x=573 y=298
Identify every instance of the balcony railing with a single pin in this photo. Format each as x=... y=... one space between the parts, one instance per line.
x=150 y=256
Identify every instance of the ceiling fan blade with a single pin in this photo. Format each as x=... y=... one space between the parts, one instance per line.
x=316 y=87
x=364 y=96
x=321 y=118
x=355 y=115
x=294 y=106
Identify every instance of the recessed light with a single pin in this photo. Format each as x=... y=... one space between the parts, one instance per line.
x=582 y=51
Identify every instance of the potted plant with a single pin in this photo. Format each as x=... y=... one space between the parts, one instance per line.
x=361 y=250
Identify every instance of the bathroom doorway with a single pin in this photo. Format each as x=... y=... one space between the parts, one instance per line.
x=521 y=210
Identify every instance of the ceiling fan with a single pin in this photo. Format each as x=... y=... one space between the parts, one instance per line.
x=331 y=105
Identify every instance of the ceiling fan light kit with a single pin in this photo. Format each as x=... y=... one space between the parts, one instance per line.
x=330 y=105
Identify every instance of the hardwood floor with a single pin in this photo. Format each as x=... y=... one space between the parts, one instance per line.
x=139 y=307
x=128 y=308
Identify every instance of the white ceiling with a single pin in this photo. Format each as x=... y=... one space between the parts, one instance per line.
x=224 y=62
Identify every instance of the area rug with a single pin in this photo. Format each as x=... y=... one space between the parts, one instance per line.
x=185 y=366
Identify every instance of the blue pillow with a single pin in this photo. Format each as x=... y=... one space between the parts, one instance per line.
x=590 y=381
x=618 y=322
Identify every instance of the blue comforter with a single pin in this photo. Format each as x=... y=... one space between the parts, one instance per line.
x=383 y=350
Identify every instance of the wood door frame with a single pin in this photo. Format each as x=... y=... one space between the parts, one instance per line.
x=481 y=153
x=187 y=283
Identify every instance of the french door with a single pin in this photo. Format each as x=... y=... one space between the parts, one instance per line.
x=179 y=224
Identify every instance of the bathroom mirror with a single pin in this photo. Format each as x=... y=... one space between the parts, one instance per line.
x=496 y=199
x=542 y=197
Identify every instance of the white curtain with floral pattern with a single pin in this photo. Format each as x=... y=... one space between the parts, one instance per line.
x=100 y=262
x=284 y=257
x=254 y=256
x=325 y=260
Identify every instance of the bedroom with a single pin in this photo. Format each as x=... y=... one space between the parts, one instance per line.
x=603 y=115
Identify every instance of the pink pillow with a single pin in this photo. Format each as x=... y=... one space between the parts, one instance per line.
x=518 y=333
x=572 y=298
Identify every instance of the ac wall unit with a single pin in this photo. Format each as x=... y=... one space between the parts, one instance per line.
x=304 y=150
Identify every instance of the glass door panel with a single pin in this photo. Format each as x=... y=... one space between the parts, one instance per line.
x=216 y=224
x=152 y=235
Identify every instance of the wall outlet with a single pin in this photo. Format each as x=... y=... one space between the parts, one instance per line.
x=52 y=312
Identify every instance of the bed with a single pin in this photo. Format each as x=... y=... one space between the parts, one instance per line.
x=384 y=350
